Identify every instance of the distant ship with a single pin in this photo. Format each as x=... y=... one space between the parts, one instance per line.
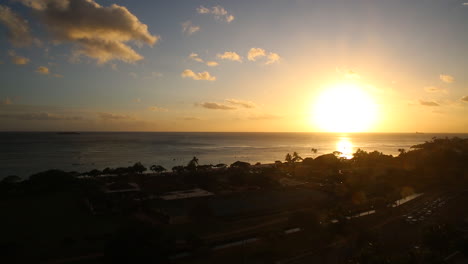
x=68 y=133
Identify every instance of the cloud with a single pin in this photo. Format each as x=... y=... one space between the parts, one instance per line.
x=194 y=56
x=216 y=106
x=43 y=116
x=255 y=53
x=43 y=70
x=133 y=75
x=218 y=11
x=114 y=117
x=156 y=75
x=98 y=32
x=352 y=75
x=18 y=32
x=190 y=118
x=197 y=76
x=157 y=109
x=58 y=75
x=428 y=103
x=433 y=89
x=446 y=78
x=212 y=63
x=246 y=104
x=6 y=101
x=16 y=59
x=464 y=98
x=272 y=58
x=264 y=117
x=465 y=4
x=188 y=28
x=229 y=55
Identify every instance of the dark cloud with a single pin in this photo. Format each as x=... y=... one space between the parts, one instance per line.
x=246 y=104
x=216 y=106
x=18 y=32
x=40 y=116
x=191 y=118
x=465 y=98
x=111 y=116
x=428 y=103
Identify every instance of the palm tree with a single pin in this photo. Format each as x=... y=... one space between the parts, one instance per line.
x=192 y=165
x=288 y=158
x=296 y=157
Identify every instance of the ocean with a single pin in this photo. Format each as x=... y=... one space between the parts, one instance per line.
x=25 y=153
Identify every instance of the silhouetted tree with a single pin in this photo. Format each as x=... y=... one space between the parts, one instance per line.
x=192 y=165
x=296 y=157
x=157 y=168
x=138 y=168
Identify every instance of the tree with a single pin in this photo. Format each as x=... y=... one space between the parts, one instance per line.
x=12 y=179
x=240 y=164
x=178 y=169
x=192 y=165
x=157 y=168
x=288 y=158
x=138 y=168
x=296 y=157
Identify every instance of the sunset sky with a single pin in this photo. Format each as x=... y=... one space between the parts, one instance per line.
x=95 y=65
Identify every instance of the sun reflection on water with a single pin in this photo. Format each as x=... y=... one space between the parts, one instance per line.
x=345 y=146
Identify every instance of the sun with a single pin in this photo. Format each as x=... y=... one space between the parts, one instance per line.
x=344 y=107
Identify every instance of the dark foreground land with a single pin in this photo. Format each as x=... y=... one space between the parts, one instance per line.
x=297 y=211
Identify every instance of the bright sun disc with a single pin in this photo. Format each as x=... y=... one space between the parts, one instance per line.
x=344 y=108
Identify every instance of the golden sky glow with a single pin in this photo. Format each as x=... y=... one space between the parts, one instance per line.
x=303 y=66
x=345 y=107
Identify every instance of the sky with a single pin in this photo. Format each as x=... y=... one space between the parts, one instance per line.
x=253 y=66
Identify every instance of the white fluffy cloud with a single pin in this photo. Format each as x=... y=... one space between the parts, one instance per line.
x=255 y=53
x=206 y=76
x=188 y=28
x=446 y=78
x=212 y=63
x=218 y=11
x=98 y=32
x=230 y=55
x=18 y=32
x=195 y=57
x=272 y=58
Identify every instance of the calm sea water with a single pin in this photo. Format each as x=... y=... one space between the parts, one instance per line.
x=25 y=153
